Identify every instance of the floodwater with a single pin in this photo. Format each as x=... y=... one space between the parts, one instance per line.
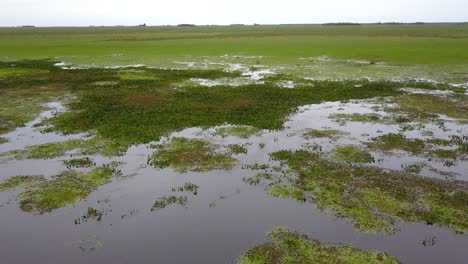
x=226 y=217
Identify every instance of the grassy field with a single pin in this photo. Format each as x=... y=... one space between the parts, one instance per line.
x=396 y=44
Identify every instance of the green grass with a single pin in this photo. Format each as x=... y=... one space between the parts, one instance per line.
x=46 y=151
x=325 y=133
x=43 y=196
x=126 y=112
x=166 y=201
x=352 y=154
x=91 y=213
x=14 y=72
x=287 y=247
x=237 y=149
x=20 y=182
x=237 y=131
x=355 y=117
x=405 y=44
x=373 y=198
x=183 y=155
x=418 y=105
x=143 y=111
x=93 y=146
x=85 y=162
x=393 y=141
x=20 y=106
x=187 y=187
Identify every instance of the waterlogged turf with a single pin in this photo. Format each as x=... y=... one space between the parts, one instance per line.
x=185 y=155
x=290 y=247
x=67 y=188
x=373 y=198
x=350 y=140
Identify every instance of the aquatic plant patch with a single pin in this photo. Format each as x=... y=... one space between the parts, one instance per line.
x=355 y=117
x=183 y=155
x=238 y=131
x=394 y=141
x=79 y=163
x=69 y=187
x=20 y=182
x=286 y=246
x=352 y=154
x=373 y=198
x=423 y=105
x=324 y=133
x=163 y=202
x=237 y=149
x=92 y=146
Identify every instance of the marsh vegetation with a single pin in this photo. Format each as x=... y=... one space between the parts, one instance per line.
x=345 y=149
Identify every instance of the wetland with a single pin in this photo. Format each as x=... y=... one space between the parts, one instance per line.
x=232 y=158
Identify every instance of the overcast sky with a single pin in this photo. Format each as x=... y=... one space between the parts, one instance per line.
x=162 y=12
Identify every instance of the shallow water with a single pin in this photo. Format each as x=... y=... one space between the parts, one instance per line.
x=226 y=217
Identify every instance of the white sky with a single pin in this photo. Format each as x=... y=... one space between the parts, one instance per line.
x=162 y=12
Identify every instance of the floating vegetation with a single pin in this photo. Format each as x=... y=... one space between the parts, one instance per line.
x=91 y=213
x=287 y=191
x=393 y=141
x=237 y=149
x=183 y=154
x=372 y=197
x=290 y=247
x=258 y=178
x=356 y=117
x=65 y=189
x=20 y=182
x=325 y=133
x=137 y=111
x=261 y=145
x=85 y=162
x=446 y=153
x=46 y=151
x=425 y=105
x=187 y=187
x=414 y=168
x=163 y=202
x=95 y=145
x=429 y=242
x=428 y=148
x=237 y=131
x=3 y=140
x=130 y=213
x=352 y=154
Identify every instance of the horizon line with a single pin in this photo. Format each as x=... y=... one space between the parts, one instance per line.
x=241 y=24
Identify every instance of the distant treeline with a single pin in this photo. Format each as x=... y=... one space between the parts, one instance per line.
x=379 y=23
x=341 y=24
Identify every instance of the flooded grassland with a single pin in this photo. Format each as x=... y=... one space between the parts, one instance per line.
x=237 y=163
